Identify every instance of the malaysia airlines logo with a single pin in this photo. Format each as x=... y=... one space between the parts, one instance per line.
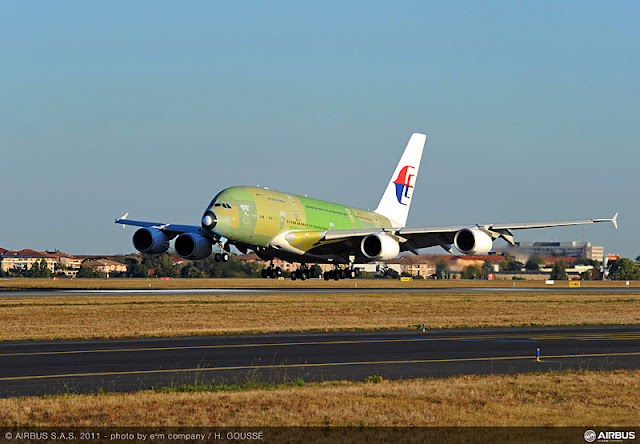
x=403 y=183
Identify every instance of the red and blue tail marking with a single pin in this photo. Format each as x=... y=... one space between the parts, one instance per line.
x=403 y=183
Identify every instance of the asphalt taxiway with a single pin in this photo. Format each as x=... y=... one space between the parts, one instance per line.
x=46 y=367
x=317 y=290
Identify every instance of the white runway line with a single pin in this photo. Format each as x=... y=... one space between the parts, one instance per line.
x=174 y=291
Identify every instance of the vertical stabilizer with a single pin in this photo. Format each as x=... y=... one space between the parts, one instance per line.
x=396 y=199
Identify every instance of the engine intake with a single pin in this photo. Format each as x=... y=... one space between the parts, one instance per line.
x=150 y=240
x=193 y=246
x=472 y=241
x=380 y=247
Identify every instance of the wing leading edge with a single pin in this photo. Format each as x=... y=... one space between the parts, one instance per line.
x=414 y=238
x=169 y=228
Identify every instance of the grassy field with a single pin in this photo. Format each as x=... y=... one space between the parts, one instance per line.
x=182 y=315
x=557 y=399
x=130 y=284
x=587 y=399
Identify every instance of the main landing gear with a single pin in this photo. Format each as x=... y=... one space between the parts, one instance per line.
x=304 y=273
x=341 y=273
x=271 y=272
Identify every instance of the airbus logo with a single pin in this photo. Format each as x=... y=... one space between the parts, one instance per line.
x=590 y=436
x=403 y=183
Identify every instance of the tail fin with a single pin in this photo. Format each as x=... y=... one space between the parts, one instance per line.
x=396 y=199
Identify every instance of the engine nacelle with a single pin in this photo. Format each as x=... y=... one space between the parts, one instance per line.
x=472 y=241
x=193 y=246
x=380 y=247
x=150 y=240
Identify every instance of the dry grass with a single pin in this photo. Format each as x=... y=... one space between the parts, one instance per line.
x=177 y=315
x=569 y=399
x=129 y=284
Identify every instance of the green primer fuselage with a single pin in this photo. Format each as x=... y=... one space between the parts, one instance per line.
x=255 y=216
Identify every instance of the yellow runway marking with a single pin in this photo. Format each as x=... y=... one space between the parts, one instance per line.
x=625 y=336
x=326 y=364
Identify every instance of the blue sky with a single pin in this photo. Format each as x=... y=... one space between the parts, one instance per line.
x=531 y=111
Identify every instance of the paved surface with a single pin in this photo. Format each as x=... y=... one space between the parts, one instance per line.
x=45 y=367
x=319 y=290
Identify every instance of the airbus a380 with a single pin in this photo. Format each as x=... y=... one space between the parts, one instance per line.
x=305 y=230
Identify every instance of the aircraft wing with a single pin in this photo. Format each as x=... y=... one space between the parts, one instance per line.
x=414 y=238
x=171 y=229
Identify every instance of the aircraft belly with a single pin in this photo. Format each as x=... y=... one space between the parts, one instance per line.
x=306 y=258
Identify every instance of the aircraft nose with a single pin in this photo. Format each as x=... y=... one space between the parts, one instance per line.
x=209 y=220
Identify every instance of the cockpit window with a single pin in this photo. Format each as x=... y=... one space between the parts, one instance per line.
x=223 y=205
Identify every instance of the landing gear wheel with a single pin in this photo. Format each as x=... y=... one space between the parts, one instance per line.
x=277 y=272
x=336 y=274
x=265 y=273
x=327 y=275
x=225 y=257
x=293 y=276
x=217 y=257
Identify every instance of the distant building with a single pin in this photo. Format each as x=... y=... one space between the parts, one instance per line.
x=56 y=261
x=422 y=265
x=68 y=263
x=523 y=250
x=284 y=265
x=105 y=266
x=25 y=259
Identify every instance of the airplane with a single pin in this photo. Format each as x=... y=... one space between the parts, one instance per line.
x=306 y=230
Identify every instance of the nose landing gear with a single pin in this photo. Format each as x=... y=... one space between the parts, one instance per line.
x=223 y=256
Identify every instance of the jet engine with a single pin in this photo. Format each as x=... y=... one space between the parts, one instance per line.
x=150 y=240
x=193 y=246
x=472 y=241
x=380 y=246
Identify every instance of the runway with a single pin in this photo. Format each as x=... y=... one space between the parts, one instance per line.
x=49 y=367
x=318 y=290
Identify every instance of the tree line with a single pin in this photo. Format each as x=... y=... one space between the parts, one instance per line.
x=622 y=269
x=161 y=265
